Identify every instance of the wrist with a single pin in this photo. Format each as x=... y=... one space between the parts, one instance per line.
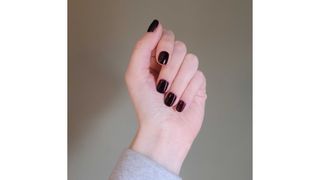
x=163 y=145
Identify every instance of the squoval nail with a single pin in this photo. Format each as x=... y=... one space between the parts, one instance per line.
x=170 y=98
x=163 y=57
x=162 y=86
x=180 y=106
x=153 y=25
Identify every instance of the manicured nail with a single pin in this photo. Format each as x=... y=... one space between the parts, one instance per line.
x=170 y=98
x=153 y=25
x=163 y=57
x=162 y=86
x=180 y=106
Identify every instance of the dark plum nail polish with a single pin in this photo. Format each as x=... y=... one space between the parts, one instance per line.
x=180 y=106
x=170 y=98
x=153 y=25
x=162 y=86
x=163 y=57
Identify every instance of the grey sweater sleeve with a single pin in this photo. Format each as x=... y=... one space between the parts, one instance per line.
x=135 y=166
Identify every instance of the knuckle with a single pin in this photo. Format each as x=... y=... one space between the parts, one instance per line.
x=180 y=46
x=167 y=38
x=205 y=96
x=169 y=34
x=193 y=60
x=201 y=75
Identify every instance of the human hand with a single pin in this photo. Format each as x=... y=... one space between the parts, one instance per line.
x=169 y=93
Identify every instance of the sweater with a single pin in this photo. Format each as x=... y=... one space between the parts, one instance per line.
x=136 y=166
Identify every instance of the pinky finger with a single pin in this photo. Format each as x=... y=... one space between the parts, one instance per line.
x=191 y=91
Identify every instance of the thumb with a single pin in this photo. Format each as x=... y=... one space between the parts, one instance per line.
x=140 y=59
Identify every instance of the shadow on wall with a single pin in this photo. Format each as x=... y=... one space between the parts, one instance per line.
x=91 y=88
x=89 y=92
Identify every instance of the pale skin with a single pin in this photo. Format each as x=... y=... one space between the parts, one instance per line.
x=164 y=134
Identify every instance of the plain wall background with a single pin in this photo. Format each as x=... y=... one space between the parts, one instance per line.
x=102 y=122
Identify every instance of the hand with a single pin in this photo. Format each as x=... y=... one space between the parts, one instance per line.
x=169 y=93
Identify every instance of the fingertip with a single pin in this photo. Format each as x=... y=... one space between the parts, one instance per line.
x=154 y=24
x=155 y=29
x=155 y=35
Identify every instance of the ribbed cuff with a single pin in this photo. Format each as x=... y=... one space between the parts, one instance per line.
x=135 y=166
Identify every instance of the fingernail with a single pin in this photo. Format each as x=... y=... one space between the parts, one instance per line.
x=162 y=86
x=180 y=106
x=170 y=98
x=163 y=57
x=153 y=25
